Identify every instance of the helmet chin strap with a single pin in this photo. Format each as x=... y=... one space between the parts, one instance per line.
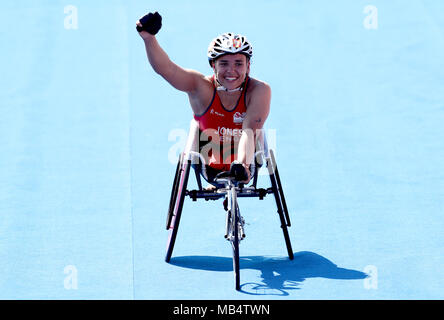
x=220 y=87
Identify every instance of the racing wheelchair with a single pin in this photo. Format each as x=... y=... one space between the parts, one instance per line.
x=227 y=188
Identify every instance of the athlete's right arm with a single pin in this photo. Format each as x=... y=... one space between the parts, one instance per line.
x=180 y=78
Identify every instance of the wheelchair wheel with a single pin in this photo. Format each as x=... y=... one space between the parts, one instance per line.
x=184 y=172
x=174 y=191
x=235 y=225
x=280 y=189
x=271 y=164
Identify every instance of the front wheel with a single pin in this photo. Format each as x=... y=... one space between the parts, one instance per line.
x=235 y=226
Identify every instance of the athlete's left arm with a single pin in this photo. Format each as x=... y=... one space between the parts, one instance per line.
x=257 y=113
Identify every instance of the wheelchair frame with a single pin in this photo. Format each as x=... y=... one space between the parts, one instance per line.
x=230 y=191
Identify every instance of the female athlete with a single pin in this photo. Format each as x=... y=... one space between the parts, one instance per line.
x=229 y=105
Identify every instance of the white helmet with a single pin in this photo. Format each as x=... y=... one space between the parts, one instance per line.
x=229 y=43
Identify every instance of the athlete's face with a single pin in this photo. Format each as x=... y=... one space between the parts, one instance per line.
x=231 y=70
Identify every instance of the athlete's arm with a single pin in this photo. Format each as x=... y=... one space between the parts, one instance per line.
x=257 y=113
x=180 y=78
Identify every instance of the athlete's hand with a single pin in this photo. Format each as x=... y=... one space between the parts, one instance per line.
x=150 y=23
x=240 y=171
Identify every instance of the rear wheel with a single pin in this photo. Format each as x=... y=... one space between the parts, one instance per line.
x=280 y=189
x=173 y=225
x=174 y=189
x=271 y=164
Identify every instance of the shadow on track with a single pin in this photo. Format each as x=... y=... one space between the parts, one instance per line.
x=278 y=274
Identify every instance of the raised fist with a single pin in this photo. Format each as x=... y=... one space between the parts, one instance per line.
x=151 y=23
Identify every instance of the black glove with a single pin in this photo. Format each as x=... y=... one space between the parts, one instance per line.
x=151 y=23
x=238 y=171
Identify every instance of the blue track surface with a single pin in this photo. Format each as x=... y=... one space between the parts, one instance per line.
x=88 y=135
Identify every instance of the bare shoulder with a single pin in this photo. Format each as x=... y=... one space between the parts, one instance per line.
x=200 y=80
x=202 y=95
x=258 y=90
x=258 y=104
x=256 y=85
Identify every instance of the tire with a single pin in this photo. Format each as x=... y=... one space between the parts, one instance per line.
x=235 y=241
x=274 y=184
x=281 y=190
x=174 y=188
x=177 y=211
